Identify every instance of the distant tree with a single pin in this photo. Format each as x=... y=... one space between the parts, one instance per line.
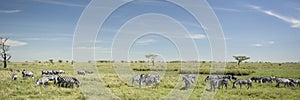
x=151 y=57
x=67 y=61
x=240 y=59
x=4 y=48
x=51 y=61
x=60 y=61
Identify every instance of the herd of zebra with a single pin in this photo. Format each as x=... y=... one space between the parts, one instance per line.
x=50 y=75
x=218 y=81
x=155 y=79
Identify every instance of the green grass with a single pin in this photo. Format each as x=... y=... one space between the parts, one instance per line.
x=24 y=89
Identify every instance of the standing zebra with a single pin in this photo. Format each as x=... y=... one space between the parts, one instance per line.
x=284 y=81
x=137 y=79
x=27 y=73
x=43 y=80
x=242 y=82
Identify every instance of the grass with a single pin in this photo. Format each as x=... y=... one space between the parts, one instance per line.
x=23 y=89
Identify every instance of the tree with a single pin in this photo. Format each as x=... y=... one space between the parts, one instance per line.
x=51 y=61
x=4 y=49
x=60 y=61
x=240 y=59
x=151 y=57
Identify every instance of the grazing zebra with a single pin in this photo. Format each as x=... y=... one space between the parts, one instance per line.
x=81 y=72
x=213 y=84
x=295 y=81
x=44 y=81
x=188 y=80
x=256 y=79
x=67 y=82
x=242 y=82
x=217 y=83
x=285 y=82
x=14 y=77
x=267 y=79
x=213 y=77
x=223 y=82
x=52 y=78
x=27 y=73
x=137 y=79
x=149 y=79
x=210 y=77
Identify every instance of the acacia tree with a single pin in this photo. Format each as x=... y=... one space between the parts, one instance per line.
x=4 y=48
x=151 y=57
x=240 y=59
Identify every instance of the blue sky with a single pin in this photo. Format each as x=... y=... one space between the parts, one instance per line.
x=263 y=30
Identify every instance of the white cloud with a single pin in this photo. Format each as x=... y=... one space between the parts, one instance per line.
x=263 y=44
x=145 y=41
x=46 y=39
x=10 y=11
x=295 y=23
x=196 y=36
x=257 y=45
x=15 y=43
x=60 y=3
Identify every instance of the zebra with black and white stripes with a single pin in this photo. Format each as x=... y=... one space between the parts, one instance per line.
x=44 y=81
x=67 y=82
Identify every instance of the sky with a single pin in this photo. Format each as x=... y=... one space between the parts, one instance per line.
x=261 y=29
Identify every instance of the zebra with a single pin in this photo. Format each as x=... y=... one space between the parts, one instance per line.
x=56 y=72
x=242 y=82
x=256 y=79
x=52 y=78
x=210 y=77
x=14 y=77
x=223 y=82
x=295 y=81
x=285 y=82
x=81 y=72
x=45 y=72
x=150 y=79
x=266 y=79
x=188 y=80
x=67 y=82
x=27 y=73
x=137 y=79
x=43 y=80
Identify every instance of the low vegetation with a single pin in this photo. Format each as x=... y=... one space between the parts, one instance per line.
x=24 y=88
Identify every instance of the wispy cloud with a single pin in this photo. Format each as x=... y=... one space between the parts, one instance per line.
x=46 y=39
x=145 y=41
x=14 y=43
x=295 y=23
x=227 y=9
x=263 y=44
x=196 y=36
x=10 y=11
x=60 y=3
